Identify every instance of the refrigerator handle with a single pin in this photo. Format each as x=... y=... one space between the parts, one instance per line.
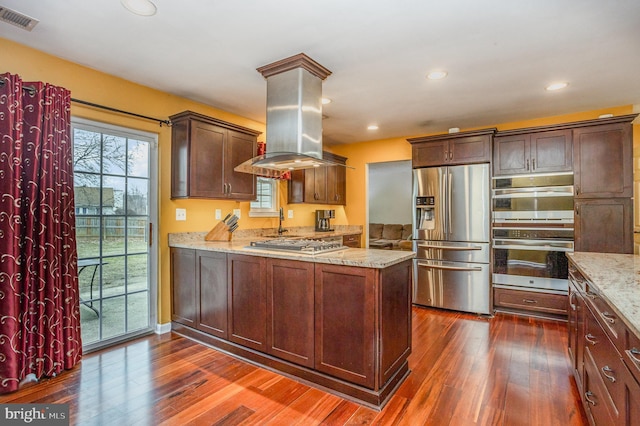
x=449 y=195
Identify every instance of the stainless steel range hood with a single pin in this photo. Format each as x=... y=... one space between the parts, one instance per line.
x=294 y=117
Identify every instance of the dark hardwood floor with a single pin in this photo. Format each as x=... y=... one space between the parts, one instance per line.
x=466 y=370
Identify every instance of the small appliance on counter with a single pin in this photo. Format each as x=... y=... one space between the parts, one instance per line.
x=323 y=220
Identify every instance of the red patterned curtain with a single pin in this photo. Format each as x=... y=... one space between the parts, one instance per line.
x=39 y=298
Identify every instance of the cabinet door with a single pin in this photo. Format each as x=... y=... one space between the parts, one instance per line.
x=470 y=149
x=551 y=151
x=206 y=176
x=247 y=319
x=632 y=399
x=290 y=310
x=345 y=306
x=603 y=161
x=212 y=283
x=315 y=185
x=336 y=185
x=296 y=187
x=604 y=225
x=183 y=286
x=511 y=155
x=240 y=148
x=426 y=154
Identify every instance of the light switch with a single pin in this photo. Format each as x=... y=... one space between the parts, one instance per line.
x=218 y=214
x=181 y=214
x=237 y=213
x=290 y=214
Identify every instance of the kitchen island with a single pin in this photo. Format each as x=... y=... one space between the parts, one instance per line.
x=339 y=320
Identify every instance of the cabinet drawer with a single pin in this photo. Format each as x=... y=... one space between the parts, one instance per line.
x=613 y=326
x=606 y=359
x=352 y=240
x=531 y=301
x=596 y=399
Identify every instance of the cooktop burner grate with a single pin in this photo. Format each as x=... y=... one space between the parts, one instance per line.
x=301 y=245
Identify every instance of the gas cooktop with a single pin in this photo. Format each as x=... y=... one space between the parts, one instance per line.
x=304 y=246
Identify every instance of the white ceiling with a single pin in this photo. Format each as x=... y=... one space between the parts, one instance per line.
x=500 y=54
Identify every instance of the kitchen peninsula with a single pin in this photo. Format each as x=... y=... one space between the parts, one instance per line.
x=340 y=320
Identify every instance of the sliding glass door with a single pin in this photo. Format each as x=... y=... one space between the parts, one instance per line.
x=115 y=211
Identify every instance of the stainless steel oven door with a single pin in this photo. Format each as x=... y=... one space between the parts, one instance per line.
x=452 y=285
x=533 y=205
x=540 y=264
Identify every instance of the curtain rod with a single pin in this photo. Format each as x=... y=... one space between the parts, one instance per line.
x=32 y=90
x=91 y=104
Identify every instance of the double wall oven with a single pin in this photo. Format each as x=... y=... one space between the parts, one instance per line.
x=532 y=231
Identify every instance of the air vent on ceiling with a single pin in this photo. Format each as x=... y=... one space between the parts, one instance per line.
x=18 y=19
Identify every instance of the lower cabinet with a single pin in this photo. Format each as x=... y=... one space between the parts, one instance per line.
x=183 y=287
x=247 y=301
x=604 y=225
x=351 y=240
x=290 y=304
x=530 y=302
x=345 y=318
x=598 y=342
x=211 y=281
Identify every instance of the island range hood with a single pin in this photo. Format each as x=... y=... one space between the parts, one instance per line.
x=294 y=118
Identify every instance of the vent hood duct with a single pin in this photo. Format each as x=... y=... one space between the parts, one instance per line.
x=294 y=118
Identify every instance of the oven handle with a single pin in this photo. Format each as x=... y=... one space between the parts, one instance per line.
x=538 y=192
x=450 y=268
x=462 y=248
x=540 y=245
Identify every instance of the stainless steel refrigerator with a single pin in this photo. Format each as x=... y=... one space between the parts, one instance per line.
x=451 y=221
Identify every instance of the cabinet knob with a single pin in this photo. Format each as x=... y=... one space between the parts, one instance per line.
x=577 y=189
x=229 y=189
x=530 y=301
x=591 y=339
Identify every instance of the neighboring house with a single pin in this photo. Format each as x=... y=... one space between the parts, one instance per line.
x=88 y=202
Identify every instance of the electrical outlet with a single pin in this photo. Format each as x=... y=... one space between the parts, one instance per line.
x=237 y=213
x=290 y=214
x=218 y=214
x=181 y=214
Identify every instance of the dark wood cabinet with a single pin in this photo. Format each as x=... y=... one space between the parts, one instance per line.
x=453 y=148
x=517 y=153
x=604 y=160
x=321 y=185
x=604 y=225
x=211 y=281
x=183 y=287
x=598 y=342
x=204 y=152
x=290 y=304
x=345 y=318
x=247 y=300
x=542 y=304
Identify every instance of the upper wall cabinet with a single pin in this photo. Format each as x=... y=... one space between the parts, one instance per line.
x=604 y=159
x=452 y=148
x=204 y=152
x=524 y=152
x=322 y=185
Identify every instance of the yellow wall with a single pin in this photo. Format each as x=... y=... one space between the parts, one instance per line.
x=361 y=154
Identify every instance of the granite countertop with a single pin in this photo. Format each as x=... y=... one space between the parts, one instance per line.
x=617 y=277
x=360 y=257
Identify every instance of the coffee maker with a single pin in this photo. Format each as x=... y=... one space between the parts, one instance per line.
x=323 y=220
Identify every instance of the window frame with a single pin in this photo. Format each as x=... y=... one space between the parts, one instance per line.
x=275 y=191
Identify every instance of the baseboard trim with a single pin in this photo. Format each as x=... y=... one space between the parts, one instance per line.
x=163 y=328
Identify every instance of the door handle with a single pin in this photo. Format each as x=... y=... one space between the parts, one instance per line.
x=150 y=234
x=527 y=164
x=533 y=164
x=608 y=373
x=450 y=268
x=591 y=339
x=449 y=247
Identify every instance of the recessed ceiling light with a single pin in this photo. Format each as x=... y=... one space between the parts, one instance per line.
x=372 y=127
x=556 y=86
x=437 y=75
x=326 y=101
x=140 y=7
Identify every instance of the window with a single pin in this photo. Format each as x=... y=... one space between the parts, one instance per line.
x=266 y=204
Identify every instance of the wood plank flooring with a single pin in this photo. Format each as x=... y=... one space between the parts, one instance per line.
x=466 y=370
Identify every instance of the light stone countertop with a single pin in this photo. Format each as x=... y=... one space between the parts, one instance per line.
x=617 y=277
x=359 y=257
